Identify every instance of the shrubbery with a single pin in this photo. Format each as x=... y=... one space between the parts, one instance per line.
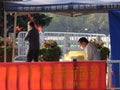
x=50 y=51
x=9 y=49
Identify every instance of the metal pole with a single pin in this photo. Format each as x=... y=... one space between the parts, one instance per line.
x=109 y=75
x=14 y=37
x=5 y=35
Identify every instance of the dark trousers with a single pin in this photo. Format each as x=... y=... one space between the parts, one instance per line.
x=32 y=55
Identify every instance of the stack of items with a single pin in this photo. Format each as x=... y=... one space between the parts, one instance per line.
x=79 y=55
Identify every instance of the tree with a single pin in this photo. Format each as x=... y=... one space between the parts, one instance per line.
x=95 y=23
x=40 y=19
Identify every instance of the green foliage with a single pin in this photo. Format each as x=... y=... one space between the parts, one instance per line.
x=50 y=54
x=9 y=50
x=22 y=21
x=104 y=53
x=95 y=23
x=1 y=7
x=1 y=42
x=9 y=54
x=40 y=19
x=1 y=51
x=50 y=51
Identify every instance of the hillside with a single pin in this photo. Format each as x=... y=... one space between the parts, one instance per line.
x=91 y=23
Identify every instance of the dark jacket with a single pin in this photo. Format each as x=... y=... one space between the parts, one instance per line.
x=33 y=38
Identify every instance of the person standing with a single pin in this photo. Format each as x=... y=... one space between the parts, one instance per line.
x=91 y=51
x=33 y=38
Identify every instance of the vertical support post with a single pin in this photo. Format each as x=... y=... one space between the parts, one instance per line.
x=14 y=37
x=109 y=76
x=5 y=35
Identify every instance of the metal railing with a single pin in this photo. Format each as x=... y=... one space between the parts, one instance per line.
x=66 y=40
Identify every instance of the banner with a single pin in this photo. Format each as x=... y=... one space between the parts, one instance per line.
x=53 y=76
x=62 y=6
x=114 y=24
x=91 y=76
